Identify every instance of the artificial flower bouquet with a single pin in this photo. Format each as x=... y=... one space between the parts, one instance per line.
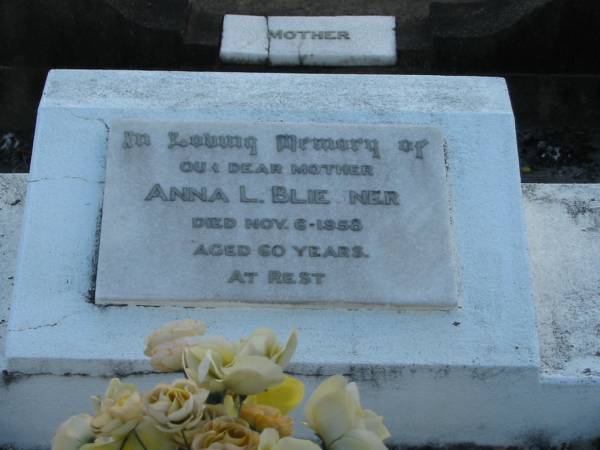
x=235 y=396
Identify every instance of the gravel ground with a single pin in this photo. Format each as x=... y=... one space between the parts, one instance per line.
x=15 y=152
x=566 y=155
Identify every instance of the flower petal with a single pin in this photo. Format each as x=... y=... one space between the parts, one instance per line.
x=252 y=374
x=268 y=439
x=73 y=433
x=286 y=354
x=358 y=439
x=331 y=411
x=285 y=396
x=288 y=443
x=152 y=438
x=374 y=423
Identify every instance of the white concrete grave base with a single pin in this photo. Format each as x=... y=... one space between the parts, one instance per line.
x=470 y=374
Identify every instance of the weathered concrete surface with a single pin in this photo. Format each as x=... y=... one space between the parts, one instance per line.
x=563 y=222
x=564 y=243
x=12 y=198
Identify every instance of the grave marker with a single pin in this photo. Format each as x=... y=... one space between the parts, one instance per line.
x=309 y=41
x=275 y=213
x=482 y=356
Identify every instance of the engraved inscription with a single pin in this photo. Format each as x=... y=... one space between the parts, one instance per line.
x=308 y=34
x=132 y=139
x=275 y=213
x=409 y=146
x=294 y=143
x=208 y=140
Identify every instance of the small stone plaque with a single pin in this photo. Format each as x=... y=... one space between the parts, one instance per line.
x=301 y=214
x=332 y=41
x=244 y=40
x=309 y=41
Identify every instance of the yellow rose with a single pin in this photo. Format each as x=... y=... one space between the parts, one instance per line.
x=119 y=411
x=144 y=437
x=166 y=345
x=221 y=446
x=334 y=410
x=73 y=433
x=285 y=396
x=225 y=431
x=263 y=342
x=269 y=440
x=176 y=407
x=262 y=416
x=213 y=411
x=244 y=375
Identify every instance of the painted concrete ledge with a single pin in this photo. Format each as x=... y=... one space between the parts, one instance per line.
x=563 y=224
x=12 y=198
x=564 y=241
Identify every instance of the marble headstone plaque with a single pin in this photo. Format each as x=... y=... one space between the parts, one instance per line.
x=301 y=214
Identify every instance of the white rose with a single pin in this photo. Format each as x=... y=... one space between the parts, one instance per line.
x=269 y=440
x=358 y=439
x=166 y=345
x=263 y=342
x=215 y=365
x=176 y=407
x=250 y=375
x=119 y=411
x=73 y=433
x=144 y=437
x=203 y=362
x=334 y=410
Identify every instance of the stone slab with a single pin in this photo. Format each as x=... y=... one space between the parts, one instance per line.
x=278 y=213
x=332 y=41
x=244 y=39
x=309 y=41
